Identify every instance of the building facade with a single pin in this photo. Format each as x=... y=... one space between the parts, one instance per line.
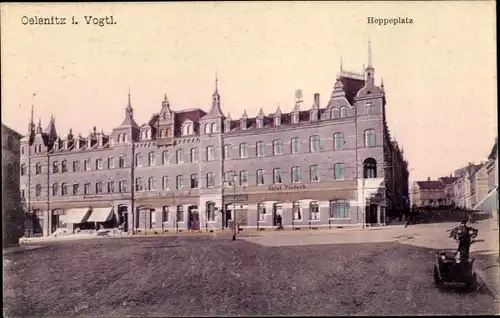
x=12 y=212
x=487 y=202
x=328 y=165
x=428 y=193
x=467 y=184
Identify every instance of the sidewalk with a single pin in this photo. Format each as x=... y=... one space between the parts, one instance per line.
x=20 y=248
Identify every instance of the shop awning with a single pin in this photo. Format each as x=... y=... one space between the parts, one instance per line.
x=490 y=202
x=100 y=215
x=77 y=215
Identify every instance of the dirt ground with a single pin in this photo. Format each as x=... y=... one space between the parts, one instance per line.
x=213 y=276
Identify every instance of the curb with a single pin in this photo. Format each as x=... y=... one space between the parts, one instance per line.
x=20 y=249
x=482 y=277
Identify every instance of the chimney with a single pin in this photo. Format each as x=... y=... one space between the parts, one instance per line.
x=428 y=178
x=316 y=99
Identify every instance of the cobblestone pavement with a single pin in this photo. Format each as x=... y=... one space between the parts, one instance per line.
x=213 y=276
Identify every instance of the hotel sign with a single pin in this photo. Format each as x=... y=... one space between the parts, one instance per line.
x=287 y=187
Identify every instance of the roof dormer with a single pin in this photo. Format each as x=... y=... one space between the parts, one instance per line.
x=187 y=128
x=227 y=123
x=260 y=119
x=277 y=117
x=244 y=121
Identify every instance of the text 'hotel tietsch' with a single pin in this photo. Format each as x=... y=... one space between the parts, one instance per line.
x=327 y=166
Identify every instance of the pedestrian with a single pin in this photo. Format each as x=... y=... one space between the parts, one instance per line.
x=279 y=221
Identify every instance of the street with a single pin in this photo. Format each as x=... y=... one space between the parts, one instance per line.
x=213 y=276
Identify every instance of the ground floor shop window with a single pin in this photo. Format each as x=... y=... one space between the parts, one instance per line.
x=261 y=211
x=314 y=210
x=339 y=209
x=180 y=213
x=297 y=211
x=210 y=211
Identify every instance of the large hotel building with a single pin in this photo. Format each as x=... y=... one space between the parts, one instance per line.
x=329 y=165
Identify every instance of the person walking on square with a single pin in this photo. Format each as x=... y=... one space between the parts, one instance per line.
x=279 y=221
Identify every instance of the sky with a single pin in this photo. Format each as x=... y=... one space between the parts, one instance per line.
x=439 y=72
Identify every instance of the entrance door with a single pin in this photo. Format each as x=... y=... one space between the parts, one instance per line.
x=371 y=214
x=277 y=210
x=193 y=218
x=228 y=214
x=123 y=218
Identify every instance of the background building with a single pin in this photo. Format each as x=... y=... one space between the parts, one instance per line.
x=12 y=213
x=487 y=201
x=328 y=165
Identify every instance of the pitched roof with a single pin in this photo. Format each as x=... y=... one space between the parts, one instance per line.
x=351 y=87
x=430 y=185
x=448 y=180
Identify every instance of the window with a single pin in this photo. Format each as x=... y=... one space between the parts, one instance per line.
x=164 y=157
x=122 y=162
x=227 y=126
x=338 y=141
x=339 y=209
x=260 y=122
x=261 y=211
x=243 y=124
x=243 y=150
x=86 y=188
x=138 y=184
x=277 y=121
x=227 y=152
x=55 y=189
x=38 y=168
x=314 y=115
x=64 y=166
x=23 y=170
x=295 y=118
x=151 y=183
x=152 y=159
x=165 y=217
x=98 y=164
x=210 y=211
x=86 y=165
x=76 y=188
x=207 y=129
x=111 y=186
x=186 y=129
x=314 y=144
x=164 y=183
x=261 y=149
x=243 y=178
x=194 y=181
x=179 y=156
x=296 y=175
x=370 y=139
x=98 y=187
x=125 y=137
x=23 y=190
x=38 y=190
x=332 y=113
x=214 y=128
x=55 y=167
x=210 y=153
x=229 y=178
x=338 y=171
x=278 y=147
x=370 y=107
x=122 y=186
x=111 y=163
x=210 y=180
x=343 y=112
x=296 y=211
x=194 y=155
x=138 y=160
x=295 y=145
x=179 y=182
x=180 y=213
x=260 y=177
x=314 y=173
x=314 y=211
x=277 y=176
x=369 y=168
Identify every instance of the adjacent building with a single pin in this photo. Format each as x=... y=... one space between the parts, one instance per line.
x=487 y=199
x=466 y=187
x=331 y=164
x=12 y=212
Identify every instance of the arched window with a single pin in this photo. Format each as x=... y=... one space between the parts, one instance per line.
x=119 y=138
x=194 y=155
x=210 y=180
x=64 y=189
x=64 y=166
x=23 y=170
x=369 y=168
x=55 y=189
x=314 y=143
x=151 y=158
x=138 y=184
x=370 y=138
x=207 y=128
x=55 y=167
x=151 y=183
x=38 y=168
x=296 y=211
x=210 y=153
x=343 y=112
x=261 y=211
x=164 y=183
x=138 y=160
x=211 y=211
x=179 y=155
x=125 y=137
x=164 y=157
x=180 y=213
x=162 y=133
x=214 y=128
x=332 y=114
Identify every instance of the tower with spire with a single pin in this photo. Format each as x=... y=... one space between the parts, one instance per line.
x=128 y=131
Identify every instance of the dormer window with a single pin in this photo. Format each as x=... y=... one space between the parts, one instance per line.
x=314 y=115
x=332 y=113
x=243 y=124
x=295 y=118
x=260 y=122
x=100 y=141
x=214 y=128
x=343 y=112
x=227 y=126
x=277 y=121
x=207 y=129
x=89 y=142
x=187 y=129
